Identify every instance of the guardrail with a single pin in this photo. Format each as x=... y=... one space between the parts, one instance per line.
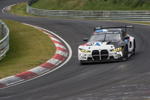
x=106 y=15
x=4 y=41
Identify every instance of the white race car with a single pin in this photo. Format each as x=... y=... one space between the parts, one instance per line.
x=107 y=44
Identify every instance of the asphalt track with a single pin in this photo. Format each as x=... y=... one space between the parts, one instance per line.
x=110 y=81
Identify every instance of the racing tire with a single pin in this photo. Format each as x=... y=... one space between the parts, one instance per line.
x=82 y=62
x=125 y=53
x=134 y=48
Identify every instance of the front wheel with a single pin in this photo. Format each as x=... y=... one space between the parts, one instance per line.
x=82 y=62
x=125 y=53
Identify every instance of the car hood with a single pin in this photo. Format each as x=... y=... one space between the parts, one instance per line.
x=97 y=46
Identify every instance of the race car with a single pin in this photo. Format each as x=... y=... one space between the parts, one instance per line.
x=107 y=44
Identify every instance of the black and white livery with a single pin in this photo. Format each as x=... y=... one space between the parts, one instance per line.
x=106 y=44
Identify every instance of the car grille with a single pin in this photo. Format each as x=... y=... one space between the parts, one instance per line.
x=104 y=54
x=100 y=55
x=96 y=54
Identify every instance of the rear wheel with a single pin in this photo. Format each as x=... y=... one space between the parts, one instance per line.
x=134 y=47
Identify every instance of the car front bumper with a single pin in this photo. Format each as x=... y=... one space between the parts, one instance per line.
x=98 y=58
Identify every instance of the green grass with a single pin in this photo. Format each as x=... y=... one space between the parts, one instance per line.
x=133 y=22
x=29 y=48
x=146 y=23
x=93 y=4
x=1 y=37
x=20 y=9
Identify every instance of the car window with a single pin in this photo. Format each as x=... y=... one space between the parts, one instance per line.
x=113 y=37
x=106 y=37
x=98 y=37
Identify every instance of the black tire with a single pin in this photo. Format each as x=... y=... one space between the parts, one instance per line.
x=134 y=47
x=125 y=53
x=82 y=62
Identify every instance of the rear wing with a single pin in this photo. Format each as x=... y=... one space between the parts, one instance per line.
x=121 y=27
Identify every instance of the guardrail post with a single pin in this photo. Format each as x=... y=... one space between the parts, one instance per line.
x=0 y=31
x=4 y=40
x=3 y=30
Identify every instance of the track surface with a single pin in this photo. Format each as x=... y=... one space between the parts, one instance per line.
x=113 y=81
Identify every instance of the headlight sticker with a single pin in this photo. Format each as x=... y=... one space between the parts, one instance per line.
x=84 y=51
x=117 y=49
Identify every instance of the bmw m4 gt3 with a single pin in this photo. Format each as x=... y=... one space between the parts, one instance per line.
x=107 y=44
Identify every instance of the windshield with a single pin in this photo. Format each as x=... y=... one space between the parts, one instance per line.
x=106 y=37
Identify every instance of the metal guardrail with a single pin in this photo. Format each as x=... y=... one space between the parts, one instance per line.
x=107 y=15
x=4 y=41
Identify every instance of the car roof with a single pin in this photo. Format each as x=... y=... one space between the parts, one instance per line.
x=111 y=30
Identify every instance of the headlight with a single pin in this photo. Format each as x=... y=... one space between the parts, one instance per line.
x=84 y=51
x=117 y=49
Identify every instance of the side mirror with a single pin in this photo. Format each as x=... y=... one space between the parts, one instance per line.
x=85 y=39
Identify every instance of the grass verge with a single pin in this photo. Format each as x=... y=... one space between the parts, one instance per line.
x=29 y=47
x=146 y=23
x=20 y=9
x=134 y=22
x=22 y=12
x=93 y=4
x=1 y=37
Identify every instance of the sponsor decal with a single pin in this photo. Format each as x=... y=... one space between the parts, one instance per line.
x=97 y=44
x=101 y=30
